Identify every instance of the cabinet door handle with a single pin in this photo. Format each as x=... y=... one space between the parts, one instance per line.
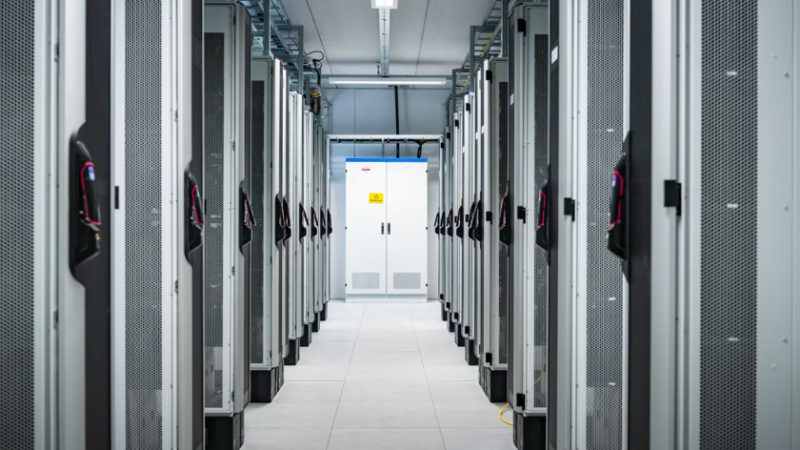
x=382 y=224
x=389 y=229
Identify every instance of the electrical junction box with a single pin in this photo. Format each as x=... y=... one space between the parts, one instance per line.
x=387 y=243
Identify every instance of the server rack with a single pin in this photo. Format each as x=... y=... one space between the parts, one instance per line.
x=471 y=273
x=294 y=131
x=482 y=225
x=711 y=189
x=268 y=333
x=306 y=222
x=155 y=235
x=527 y=392
x=591 y=404
x=50 y=120
x=458 y=226
x=444 y=226
x=326 y=183
x=494 y=361
x=227 y=255
x=473 y=345
x=317 y=227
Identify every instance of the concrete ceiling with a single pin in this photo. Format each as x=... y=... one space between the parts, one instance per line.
x=428 y=37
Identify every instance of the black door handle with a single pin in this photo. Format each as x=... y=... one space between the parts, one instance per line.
x=85 y=206
x=381 y=227
x=389 y=228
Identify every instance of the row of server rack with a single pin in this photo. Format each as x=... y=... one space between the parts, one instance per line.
x=164 y=224
x=618 y=236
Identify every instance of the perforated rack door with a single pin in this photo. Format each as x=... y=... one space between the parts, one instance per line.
x=729 y=225
x=146 y=252
x=602 y=302
x=257 y=179
x=218 y=166
x=541 y=70
x=19 y=276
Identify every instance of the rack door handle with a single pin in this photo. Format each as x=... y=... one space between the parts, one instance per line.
x=382 y=224
x=389 y=228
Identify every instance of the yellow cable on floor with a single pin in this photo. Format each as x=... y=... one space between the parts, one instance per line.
x=507 y=405
x=501 y=415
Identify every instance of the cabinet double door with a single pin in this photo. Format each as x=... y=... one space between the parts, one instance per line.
x=386 y=228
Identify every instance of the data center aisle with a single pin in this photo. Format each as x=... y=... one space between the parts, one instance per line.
x=379 y=376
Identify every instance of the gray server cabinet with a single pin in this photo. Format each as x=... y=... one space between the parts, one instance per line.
x=458 y=224
x=295 y=107
x=471 y=274
x=228 y=233
x=155 y=229
x=494 y=309
x=591 y=406
x=527 y=391
x=738 y=232
x=48 y=286
x=267 y=331
x=306 y=240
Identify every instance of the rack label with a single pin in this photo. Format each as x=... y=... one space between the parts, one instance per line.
x=376 y=198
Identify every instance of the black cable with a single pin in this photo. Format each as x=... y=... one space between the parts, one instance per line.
x=397 y=118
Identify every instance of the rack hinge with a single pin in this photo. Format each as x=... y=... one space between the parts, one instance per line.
x=233 y=270
x=489 y=76
x=176 y=286
x=467 y=106
x=569 y=208
x=522 y=27
x=521 y=400
x=522 y=213
x=672 y=195
x=488 y=358
x=489 y=216
x=457 y=125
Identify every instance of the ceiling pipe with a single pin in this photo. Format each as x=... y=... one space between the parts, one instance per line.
x=384 y=22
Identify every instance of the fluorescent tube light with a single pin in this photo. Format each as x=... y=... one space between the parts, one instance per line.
x=386 y=4
x=390 y=81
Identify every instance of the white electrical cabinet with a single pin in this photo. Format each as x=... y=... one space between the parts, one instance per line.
x=387 y=210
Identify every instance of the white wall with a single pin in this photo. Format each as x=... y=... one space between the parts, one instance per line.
x=371 y=111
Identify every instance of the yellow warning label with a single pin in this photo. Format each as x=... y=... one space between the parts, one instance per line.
x=376 y=198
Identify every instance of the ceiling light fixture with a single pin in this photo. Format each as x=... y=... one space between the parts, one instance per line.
x=390 y=81
x=384 y=4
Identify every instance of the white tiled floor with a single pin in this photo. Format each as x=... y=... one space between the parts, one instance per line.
x=379 y=376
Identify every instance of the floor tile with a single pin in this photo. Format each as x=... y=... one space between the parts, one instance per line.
x=311 y=372
x=378 y=373
x=434 y=335
x=478 y=438
x=386 y=439
x=327 y=353
x=361 y=391
x=386 y=359
x=347 y=324
x=457 y=392
x=386 y=335
x=454 y=373
x=333 y=334
x=286 y=438
x=290 y=415
x=442 y=353
x=383 y=415
x=309 y=392
x=470 y=416
x=397 y=345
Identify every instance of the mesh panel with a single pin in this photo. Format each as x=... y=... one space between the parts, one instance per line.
x=540 y=162
x=17 y=231
x=504 y=262
x=366 y=280
x=604 y=281
x=257 y=243
x=143 y=246
x=406 y=280
x=729 y=223
x=214 y=231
